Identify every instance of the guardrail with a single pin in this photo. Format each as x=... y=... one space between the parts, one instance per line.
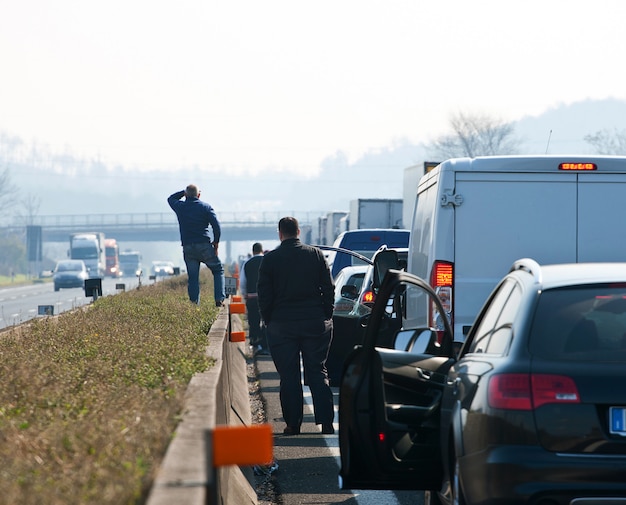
x=210 y=458
x=147 y=219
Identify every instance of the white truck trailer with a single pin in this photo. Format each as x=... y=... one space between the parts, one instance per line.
x=375 y=213
x=89 y=247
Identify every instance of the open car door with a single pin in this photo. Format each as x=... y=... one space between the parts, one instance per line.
x=391 y=389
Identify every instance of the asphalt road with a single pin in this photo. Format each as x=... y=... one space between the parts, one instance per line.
x=19 y=304
x=308 y=464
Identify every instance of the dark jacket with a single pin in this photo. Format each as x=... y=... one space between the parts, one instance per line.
x=194 y=218
x=295 y=283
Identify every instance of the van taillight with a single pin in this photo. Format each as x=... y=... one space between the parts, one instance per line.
x=525 y=392
x=577 y=165
x=441 y=280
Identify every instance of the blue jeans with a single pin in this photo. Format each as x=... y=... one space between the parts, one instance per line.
x=194 y=254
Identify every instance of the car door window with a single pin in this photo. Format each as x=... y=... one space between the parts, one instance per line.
x=489 y=318
x=500 y=339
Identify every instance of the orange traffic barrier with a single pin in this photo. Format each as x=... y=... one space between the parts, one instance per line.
x=237 y=336
x=237 y=308
x=242 y=445
x=236 y=298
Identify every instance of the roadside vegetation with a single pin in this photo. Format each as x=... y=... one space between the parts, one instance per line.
x=90 y=398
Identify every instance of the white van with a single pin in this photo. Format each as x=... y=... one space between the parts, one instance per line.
x=474 y=217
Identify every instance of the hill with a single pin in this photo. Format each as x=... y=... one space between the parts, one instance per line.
x=64 y=185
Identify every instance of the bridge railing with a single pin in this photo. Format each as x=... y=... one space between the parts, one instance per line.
x=159 y=219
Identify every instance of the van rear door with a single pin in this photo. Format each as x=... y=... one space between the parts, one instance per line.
x=601 y=215
x=504 y=217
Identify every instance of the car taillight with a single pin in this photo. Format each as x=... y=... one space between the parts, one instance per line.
x=526 y=392
x=368 y=297
x=441 y=280
x=553 y=389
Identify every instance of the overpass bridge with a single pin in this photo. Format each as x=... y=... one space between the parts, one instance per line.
x=163 y=226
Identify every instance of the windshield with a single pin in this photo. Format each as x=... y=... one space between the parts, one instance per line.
x=84 y=253
x=69 y=267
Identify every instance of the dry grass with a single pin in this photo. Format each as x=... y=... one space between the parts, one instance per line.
x=90 y=399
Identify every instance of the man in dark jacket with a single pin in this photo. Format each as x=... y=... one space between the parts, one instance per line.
x=296 y=296
x=247 y=286
x=194 y=219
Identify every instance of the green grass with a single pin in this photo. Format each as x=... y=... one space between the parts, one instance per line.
x=90 y=398
x=16 y=280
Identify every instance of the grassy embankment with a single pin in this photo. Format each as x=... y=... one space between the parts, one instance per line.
x=18 y=280
x=90 y=398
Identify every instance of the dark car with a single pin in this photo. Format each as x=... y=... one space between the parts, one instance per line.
x=354 y=298
x=69 y=274
x=532 y=409
x=365 y=242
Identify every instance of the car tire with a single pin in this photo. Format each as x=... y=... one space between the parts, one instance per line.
x=56 y=288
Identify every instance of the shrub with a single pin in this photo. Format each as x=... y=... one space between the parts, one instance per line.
x=90 y=398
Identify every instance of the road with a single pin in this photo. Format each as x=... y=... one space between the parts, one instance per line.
x=308 y=464
x=19 y=304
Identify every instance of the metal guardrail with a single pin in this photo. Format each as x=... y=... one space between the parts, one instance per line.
x=160 y=219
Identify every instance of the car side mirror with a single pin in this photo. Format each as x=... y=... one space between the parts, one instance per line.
x=383 y=261
x=349 y=291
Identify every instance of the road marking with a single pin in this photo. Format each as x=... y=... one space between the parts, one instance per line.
x=365 y=497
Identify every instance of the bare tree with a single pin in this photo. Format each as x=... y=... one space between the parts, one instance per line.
x=475 y=135
x=608 y=142
x=30 y=209
x=6 y=188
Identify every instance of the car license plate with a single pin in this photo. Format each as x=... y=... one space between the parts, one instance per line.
x=617 y=420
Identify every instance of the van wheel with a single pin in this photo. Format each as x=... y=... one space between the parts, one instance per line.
x=56 y=288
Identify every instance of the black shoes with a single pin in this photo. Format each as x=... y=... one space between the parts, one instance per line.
x=328 y=429
x=220 y=303
x=292 y=430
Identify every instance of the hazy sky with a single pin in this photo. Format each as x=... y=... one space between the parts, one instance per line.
x=255 y=85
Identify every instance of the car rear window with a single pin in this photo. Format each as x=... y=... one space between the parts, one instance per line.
x=581 y=324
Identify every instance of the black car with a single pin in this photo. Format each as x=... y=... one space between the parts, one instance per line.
x=532 y=409
x=354 y=295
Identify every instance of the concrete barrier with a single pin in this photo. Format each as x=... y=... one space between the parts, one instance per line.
x=218 y=396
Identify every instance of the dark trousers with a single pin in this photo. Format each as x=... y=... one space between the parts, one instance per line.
x=256 y=332
x=309 y=339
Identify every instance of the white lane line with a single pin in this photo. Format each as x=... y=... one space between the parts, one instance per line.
x=366 y=497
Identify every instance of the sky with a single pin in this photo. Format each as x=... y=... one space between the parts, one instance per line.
x=247 y=87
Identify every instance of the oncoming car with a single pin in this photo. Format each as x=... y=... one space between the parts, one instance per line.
x=69 y=274
x=529 y=410
x=162 y=268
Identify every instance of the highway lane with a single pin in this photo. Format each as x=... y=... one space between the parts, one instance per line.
x=20 y=304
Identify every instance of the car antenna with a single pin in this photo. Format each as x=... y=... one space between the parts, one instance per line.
x=549 y=137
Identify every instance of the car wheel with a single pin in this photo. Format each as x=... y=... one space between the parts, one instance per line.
x=432 y=498
x=457 y=492
x=56 y=288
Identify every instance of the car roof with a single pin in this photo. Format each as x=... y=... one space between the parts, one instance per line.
x=351 y=270
x=572 y=274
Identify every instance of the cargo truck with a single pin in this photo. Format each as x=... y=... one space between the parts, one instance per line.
x=89 y=247
x=112 y=258
x=130 y=263
x=375 y=213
